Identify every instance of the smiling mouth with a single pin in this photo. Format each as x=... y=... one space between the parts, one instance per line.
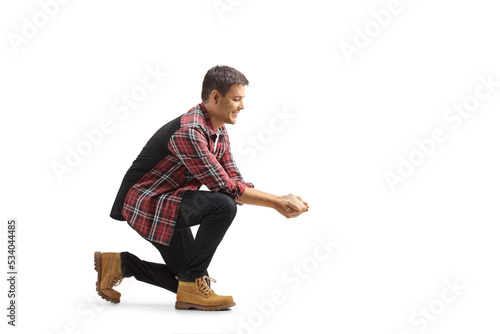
x=235 y=113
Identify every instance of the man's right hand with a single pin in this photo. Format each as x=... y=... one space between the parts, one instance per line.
x=288 y=208
x=282 y=204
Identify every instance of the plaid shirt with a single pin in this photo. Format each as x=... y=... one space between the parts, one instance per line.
x=152 y=205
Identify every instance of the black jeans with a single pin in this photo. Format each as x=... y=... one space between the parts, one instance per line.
x=185 y=256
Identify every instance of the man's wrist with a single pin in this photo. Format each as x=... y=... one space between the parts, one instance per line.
x=274 y=201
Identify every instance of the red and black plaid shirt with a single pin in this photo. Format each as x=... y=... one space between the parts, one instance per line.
x=189 y=160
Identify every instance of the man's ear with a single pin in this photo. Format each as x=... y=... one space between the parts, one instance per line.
x=215 y=96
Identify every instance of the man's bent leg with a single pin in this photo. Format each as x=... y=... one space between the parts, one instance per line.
x=177 y=253
x=148 y=272
x=161 y=275
x=175 y=256
x=214 y=212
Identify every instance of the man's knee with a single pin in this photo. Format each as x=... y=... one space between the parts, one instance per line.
x=226 y=204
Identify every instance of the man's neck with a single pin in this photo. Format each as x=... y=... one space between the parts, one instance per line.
x=216 y=125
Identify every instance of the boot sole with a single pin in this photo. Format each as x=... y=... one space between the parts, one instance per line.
x=97 y=267
x=187 y=306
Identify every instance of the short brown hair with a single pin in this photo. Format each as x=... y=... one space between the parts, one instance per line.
x=221 y=78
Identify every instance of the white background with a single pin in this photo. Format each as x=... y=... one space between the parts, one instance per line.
x=350 y=122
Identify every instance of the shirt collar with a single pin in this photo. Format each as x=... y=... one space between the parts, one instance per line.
x=209 y=126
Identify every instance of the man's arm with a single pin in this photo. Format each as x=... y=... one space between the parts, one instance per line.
x=191 y=147
x=253 y=196
x=284 y=206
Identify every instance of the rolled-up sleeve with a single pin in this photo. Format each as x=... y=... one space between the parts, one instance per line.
x=191 y=147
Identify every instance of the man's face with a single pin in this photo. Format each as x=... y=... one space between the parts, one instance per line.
x=228 y=106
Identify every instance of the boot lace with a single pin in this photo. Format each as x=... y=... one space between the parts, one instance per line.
x=204 y=282
x=116 y=280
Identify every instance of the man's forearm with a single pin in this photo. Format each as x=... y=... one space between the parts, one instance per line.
x=254 y=196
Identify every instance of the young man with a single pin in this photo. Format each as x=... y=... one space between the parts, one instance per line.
x=160 y=198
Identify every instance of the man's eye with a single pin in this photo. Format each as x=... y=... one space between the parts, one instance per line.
x=237 y=100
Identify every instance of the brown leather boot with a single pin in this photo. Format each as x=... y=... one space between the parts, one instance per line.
x=200 y=296
x=109 y=275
